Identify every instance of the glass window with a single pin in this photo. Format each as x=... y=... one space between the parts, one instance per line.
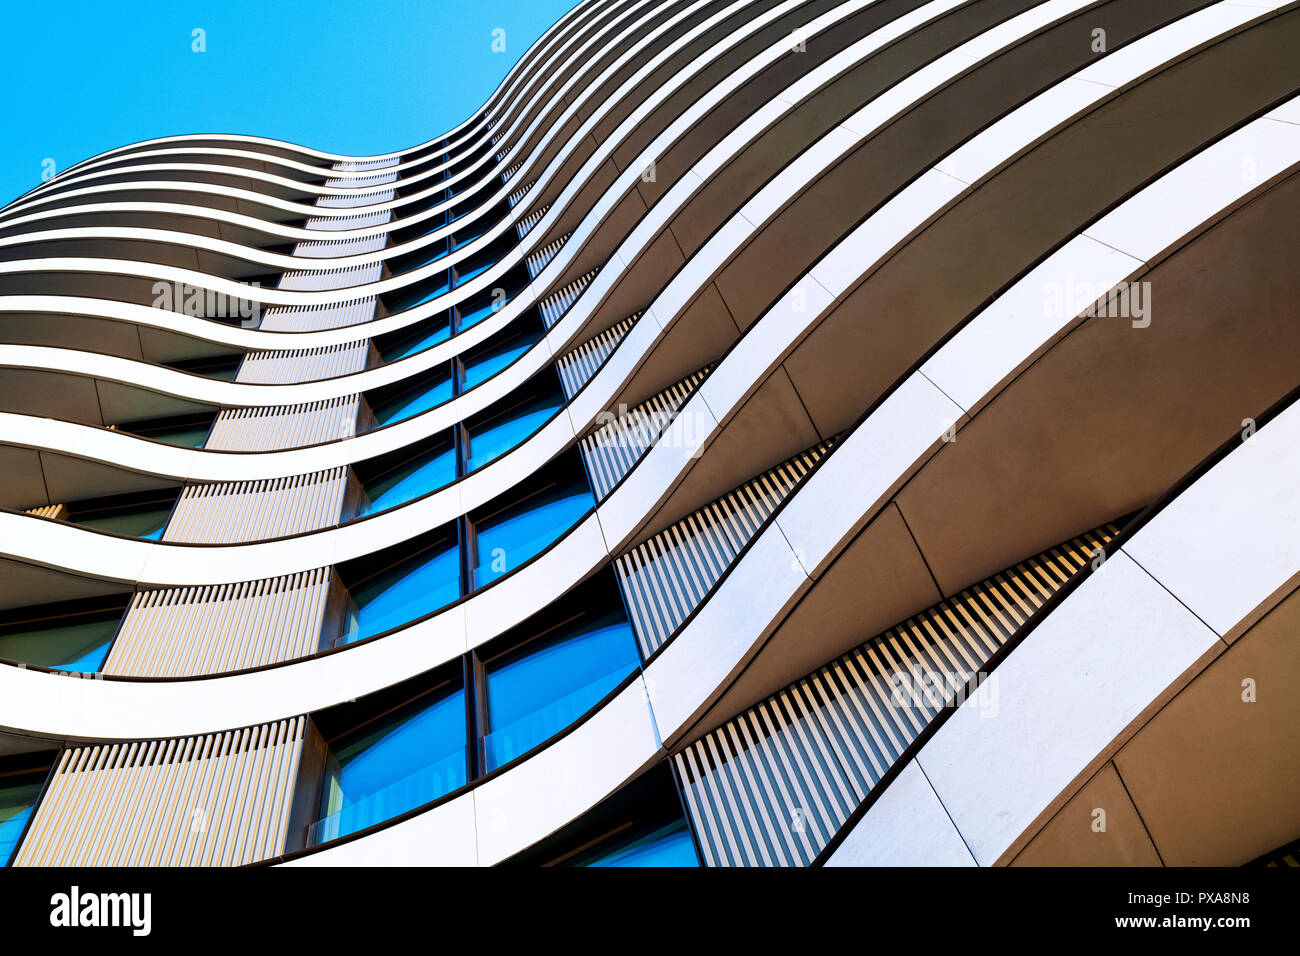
x=481 y=261
x=413 y=588
x=222 y=373
x=422 y=336
x=481 y=366
x=426 y=291
x=536 y=691
x=425 y=227
x=18 y=796
x=192 y=437
x=422 y=257
x=67 y=645
x=189 y=432
x=510 y=537
x=467 y=203
x=432 y=150
x=429 y=391
x=472 y=268
x=477 y=309
x=408 y=760
x=222 y=368
x=411 y=479
x=469 y=234
x=145 y=519
x=494 y=437
x=668 y=845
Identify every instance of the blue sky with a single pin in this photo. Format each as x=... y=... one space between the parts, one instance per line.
x=80 y=77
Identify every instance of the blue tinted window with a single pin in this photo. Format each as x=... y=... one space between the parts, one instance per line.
x=430 y=253
x=191 y=435
x=429 y=198
x=416 y=587
x=419 y=399
x=471 y=269
x=492 y=439
x=469 y=234
x=80 y=647
x=669 y=845
x=221 y=369
x=18 y=796
x=145 y=522
x=484 y=365
x=428 y=226
x=508 y=539
x=419 y=477
x=477 y=309
x=437 y=285
x=426 y=335
x=184 y=437
x=222 y=373
x=410 y=760
x=434 y=198
x=547 y=685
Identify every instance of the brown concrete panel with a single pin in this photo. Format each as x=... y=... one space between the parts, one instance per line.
x=24 y=484
x=769 y=428
x=990 y=237
x=839 y=205
x=639 y=285
x=50 y=395
x=122 y=402
x=1112 y=415
x=25 y=584
x=702 y=335
x=876 y=582
x=1217 y=778
x=104 y=336
x=605 y=238
x=72 y=479
x=1078 y=836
